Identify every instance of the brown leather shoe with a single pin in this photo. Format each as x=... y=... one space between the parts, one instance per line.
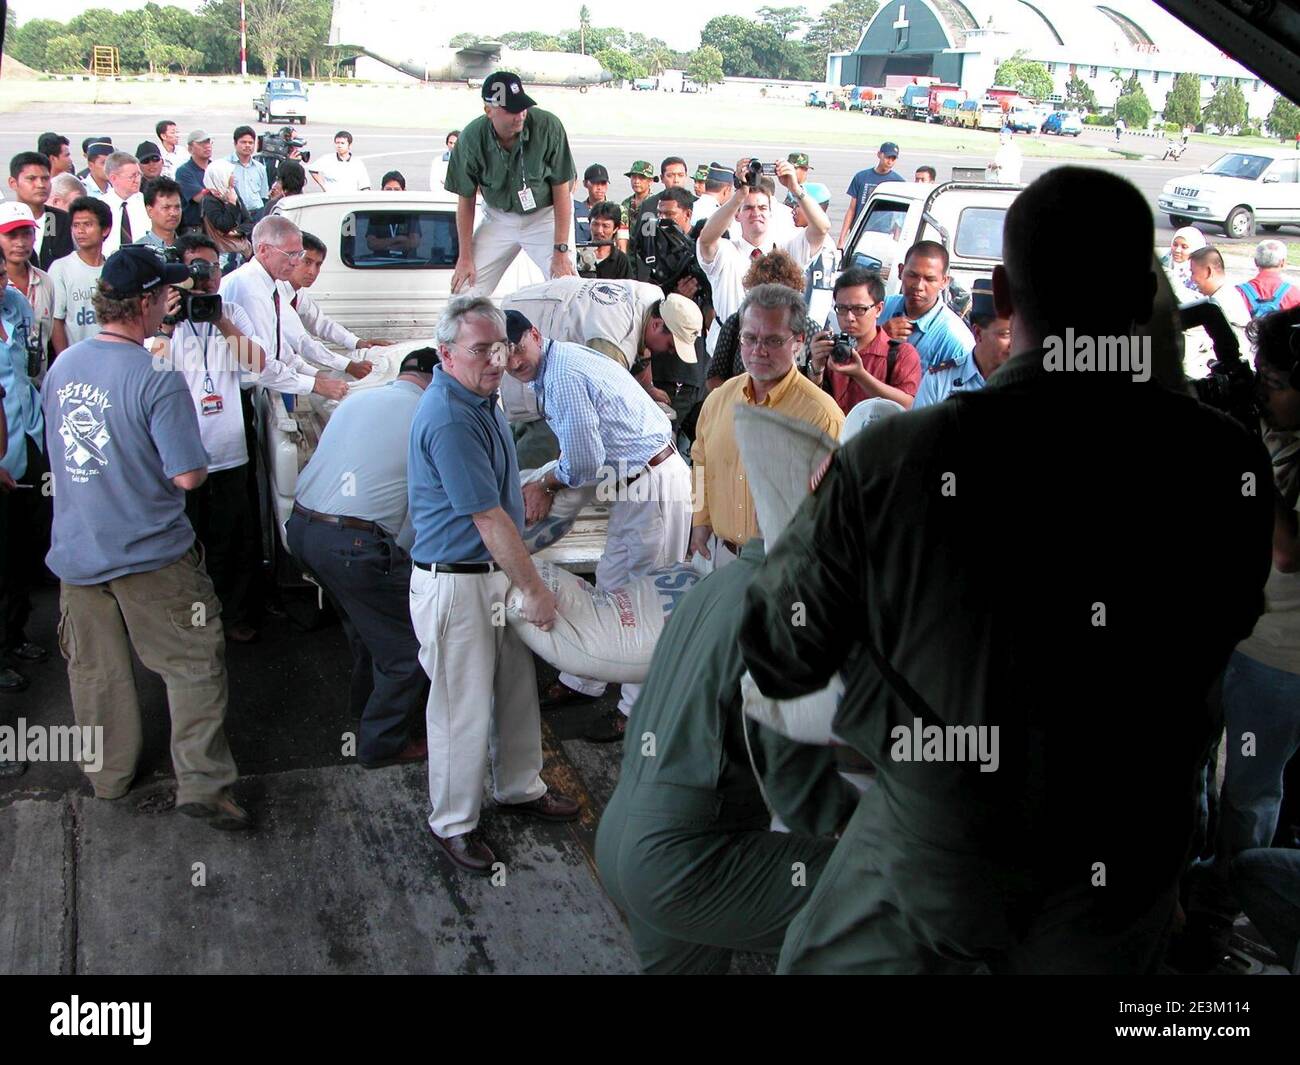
x=223 y=813
x=414 y=751
x=560 y=694
x=468 y=851
x=550 y=807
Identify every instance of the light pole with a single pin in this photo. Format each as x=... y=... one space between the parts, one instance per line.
x=243 y=41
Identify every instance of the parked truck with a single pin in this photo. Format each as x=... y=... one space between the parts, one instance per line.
x=943 y=103
x=916 y=103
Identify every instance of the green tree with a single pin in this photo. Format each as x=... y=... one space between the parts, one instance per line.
x=1227 y=107
x=584 y=24
x=67 y=53
x=748 y=49
x=1283 y=119
x=532 y=40
x=29 y=44
x=270 y=24
x=620 y=64
x=1133 y=106
x=462 y=40
x=217 y=36
x=11 y=25
x=704 y=67
x=838 y=30
x=1026 y=76
x=784 y=21
x=163 y=57
x=1079 y=95
x=1183 y=104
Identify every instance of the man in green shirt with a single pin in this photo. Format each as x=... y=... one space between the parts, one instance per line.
x=684 y=847
x=517 y=156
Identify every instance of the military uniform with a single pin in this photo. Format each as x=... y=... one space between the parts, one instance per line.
x=684 y=846
x=1095 y=629
x=940 y=382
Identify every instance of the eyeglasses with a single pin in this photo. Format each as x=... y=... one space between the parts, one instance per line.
x=750 y=341
x=479 y=351
x=292 y=256
x=856 y=310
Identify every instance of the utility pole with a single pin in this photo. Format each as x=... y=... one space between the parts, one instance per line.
x=243 y=41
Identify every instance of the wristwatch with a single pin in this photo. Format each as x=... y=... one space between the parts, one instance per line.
x=562 y=247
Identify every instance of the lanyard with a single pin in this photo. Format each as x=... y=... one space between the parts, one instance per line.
x=208 y=386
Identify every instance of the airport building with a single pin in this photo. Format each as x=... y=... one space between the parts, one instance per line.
x=963 y=41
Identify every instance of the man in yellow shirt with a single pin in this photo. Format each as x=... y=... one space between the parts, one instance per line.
x=771 y=332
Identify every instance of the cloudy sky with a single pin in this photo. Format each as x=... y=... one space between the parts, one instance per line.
x=681 y=31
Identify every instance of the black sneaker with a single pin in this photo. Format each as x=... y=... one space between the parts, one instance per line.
x=12 y=681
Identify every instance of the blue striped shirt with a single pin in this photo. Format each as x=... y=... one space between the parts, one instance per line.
x=600 y=414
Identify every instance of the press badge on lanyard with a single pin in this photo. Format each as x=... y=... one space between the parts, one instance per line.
x=526 y=200
x=210 y=402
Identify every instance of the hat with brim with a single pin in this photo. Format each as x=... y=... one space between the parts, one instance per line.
x=799 y=159
x=198 y=136
x=504 y=89
x=684 y=321
x=15 y=215
x=817 y=192
x=517 y=324
x=148 y=152
x=136 y=271
x=701 y=174
x=641 y=168
x=97 y=149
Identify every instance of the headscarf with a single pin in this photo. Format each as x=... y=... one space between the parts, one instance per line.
x=216 y=178
x=1180 y=274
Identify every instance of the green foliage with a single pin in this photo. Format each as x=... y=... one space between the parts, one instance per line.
x=620 y=64
x=1027 y=77
x=67 y=54
x=29 y=42
x=1227 y=107
x=1283 y=119
x=705 y=66
x=784 y=21
x=1079 y=95
x=1183 y=104
x=1098 y=120
x=751 y=50
x=164 y=57
x=532 y=40
x=838 y=30
x=1133 y=106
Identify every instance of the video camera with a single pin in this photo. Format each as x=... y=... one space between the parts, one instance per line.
x=756 y=170
x=587 y=261
x=280 y=143
x=195 y=306
x=673 y=257
x=1231 y=385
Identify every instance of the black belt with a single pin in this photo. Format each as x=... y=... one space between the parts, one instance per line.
x=458 y=567
x=662 y=456
x=342 y=522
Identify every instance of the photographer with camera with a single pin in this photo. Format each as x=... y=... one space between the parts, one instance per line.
x=274 y=151
x=599 y=257
x=725 y=261
x=664 y=252
x=209 y=342
x=864 y=362
x=1261 y=685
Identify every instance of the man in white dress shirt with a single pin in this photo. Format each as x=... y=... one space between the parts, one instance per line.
x=125 y=201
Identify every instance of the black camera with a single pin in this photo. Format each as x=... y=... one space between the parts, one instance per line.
x=195 y=306
x=1231 y=385
x=845 y=346
x=756 y=170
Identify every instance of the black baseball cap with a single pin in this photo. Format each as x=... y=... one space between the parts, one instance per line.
x=517 y=325
x=596 y=173
x=147 y=151
x=504 y=89
x=421 y=360
x=136 y=270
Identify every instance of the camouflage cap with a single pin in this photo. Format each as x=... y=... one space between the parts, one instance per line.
x=701 y=173
x=799 y=159
x=641 y=169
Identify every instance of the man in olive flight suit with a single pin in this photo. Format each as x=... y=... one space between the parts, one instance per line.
x=684 y=846
x=1006 y=614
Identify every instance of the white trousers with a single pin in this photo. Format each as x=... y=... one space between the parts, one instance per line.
x=501 y=236
x=721 y=557
x=649 y=529
x=482 y=698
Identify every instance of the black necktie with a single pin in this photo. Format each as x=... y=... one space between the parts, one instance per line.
x=126 y=226
x=275 y=298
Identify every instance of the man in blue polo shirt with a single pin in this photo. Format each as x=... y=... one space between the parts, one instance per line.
x=467 y=509
x=919 y=314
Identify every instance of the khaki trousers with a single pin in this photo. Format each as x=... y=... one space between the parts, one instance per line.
x=172 y=618
x=482 y=697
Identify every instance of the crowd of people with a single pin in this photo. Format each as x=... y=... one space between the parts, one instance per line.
x=1093 y=638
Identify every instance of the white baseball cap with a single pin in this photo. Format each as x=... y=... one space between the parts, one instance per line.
x=15 y=215
x=684 y=321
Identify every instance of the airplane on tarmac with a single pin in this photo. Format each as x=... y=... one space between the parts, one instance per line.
x=476 y=61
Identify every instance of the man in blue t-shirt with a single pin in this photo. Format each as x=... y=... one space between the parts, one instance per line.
x=125 y=448
x=864 y=181
x=467 y=509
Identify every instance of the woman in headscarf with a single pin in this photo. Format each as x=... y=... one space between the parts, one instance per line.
x=1177 y=265
x=225 y=219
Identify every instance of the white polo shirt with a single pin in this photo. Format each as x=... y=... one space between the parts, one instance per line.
x=174 y=159
x=342 y=175
x=727 y=268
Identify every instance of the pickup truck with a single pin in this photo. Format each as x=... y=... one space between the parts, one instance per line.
x=374 y=291
x=964 y=216
x=283 y=99
x=1239 y=191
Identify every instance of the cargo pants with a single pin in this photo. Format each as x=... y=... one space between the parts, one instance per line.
x=172 y=618
x=699 y=877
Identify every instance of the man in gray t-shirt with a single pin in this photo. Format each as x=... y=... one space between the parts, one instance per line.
x=125 y=447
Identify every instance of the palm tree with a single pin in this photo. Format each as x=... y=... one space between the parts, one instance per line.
x=584 y=24
x=657 y=60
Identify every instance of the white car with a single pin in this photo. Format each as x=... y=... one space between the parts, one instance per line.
x=1239 y=191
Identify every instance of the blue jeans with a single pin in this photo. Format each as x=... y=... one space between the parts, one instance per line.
x=1261 y=711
